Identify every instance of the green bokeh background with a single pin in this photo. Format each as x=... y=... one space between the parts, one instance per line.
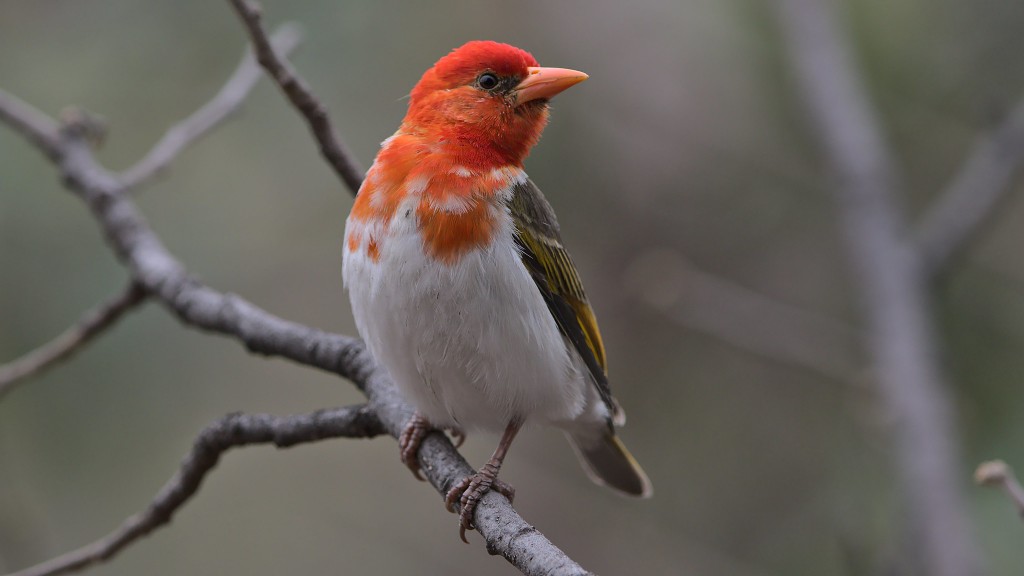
x=686 y=145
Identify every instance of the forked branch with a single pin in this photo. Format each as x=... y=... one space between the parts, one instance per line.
x=227 y=101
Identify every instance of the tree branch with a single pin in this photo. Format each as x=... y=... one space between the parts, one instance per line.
x=998 y=474
x=285 y=39
x=295 y=88
x=154 y=268
x=894 y=297
x=40 y=130
x=971 y=198
x=234 y=430
x=71 y=340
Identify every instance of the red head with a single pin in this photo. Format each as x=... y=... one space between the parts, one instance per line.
x=487 y=101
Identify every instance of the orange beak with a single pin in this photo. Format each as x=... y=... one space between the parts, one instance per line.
x=546 y=82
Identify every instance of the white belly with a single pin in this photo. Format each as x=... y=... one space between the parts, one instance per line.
x=471 y=344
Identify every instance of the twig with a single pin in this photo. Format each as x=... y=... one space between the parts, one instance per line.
x=71 y=340
x=200 y=306
x=295 y=88
x=996 y=473
x=224 y=104
x=745 y=318
x=973 y=195
x=900 y=334
x=234 y=430
x=31 y=123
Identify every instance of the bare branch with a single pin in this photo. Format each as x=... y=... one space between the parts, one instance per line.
x=971 y=198
x=71 y=340
x=31 y=123
x=998 y=474
x=234 y=430
x=900 y=335
x=164 y=278
x=200 y=122
x=744 y=318
x=295 y=88
x=159 y=273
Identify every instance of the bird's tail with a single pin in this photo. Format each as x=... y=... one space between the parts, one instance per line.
x=608 y=463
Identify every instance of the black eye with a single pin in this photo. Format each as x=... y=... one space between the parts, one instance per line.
x=487 y=81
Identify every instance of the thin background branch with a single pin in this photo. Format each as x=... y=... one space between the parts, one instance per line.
x=900 y=335
x=974 y=194
x=694 y=299
x=71 y=340
x=227 y=101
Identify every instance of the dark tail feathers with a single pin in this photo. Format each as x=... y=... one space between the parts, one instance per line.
x=608 y=463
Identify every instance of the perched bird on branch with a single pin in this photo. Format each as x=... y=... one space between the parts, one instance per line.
x=459 y=281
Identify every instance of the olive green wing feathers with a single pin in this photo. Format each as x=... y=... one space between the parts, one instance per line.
x=540 y=243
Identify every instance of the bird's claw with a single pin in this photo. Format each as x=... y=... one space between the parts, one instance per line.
x=467 y=494
x=409 y=442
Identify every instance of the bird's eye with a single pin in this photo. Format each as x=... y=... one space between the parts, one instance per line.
x=487 y=81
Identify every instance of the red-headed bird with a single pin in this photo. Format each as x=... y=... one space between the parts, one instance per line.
x=459 y=281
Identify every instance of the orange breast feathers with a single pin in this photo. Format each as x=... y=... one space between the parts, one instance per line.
x=457 y=208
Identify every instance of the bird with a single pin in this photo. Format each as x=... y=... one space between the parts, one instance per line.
x=460 y=284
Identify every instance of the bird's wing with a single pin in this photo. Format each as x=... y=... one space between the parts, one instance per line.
x=552 y=269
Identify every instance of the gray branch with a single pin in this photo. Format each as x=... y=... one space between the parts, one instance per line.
x=234 y=430
x=974 y=194
x=31 y=123
x=332 y=148
x=44 y=133
x=71 y=340
x=163 y=277
x=894 y=297
x=227 y=101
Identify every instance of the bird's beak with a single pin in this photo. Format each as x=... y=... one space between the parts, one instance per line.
x=546 y=82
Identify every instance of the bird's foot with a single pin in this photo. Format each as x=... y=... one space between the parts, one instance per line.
x=412 y=436
x=409 y=442
x=470 y=490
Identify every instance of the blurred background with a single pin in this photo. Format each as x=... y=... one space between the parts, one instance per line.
x=692 y=194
